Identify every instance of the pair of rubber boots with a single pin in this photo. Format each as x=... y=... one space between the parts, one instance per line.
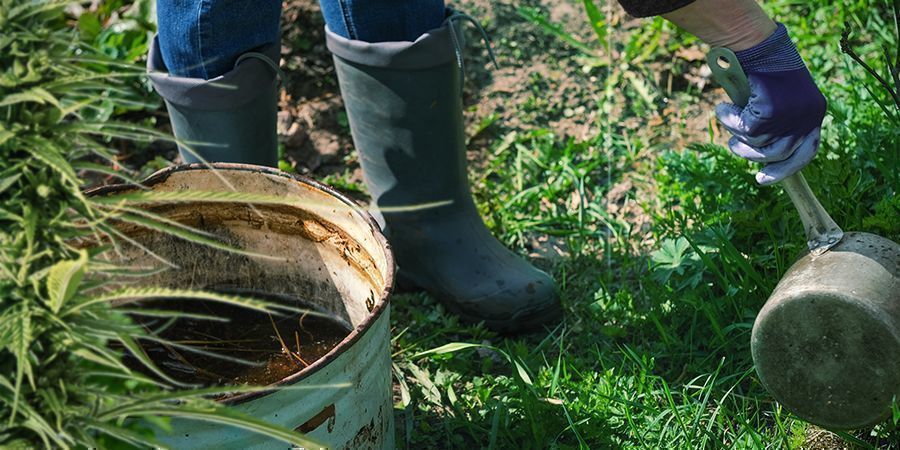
x=404 y=105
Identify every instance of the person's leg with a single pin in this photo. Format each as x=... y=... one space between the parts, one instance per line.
x=382 y=20
x=404 y=106
x=204 y=38
x=215 y=62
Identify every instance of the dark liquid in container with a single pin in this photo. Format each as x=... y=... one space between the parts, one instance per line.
x=250 y=336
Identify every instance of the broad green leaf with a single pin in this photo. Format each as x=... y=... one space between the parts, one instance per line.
x=597 y=19
x=34 y=421
x=226 y=416
x=200 y=394
x=21 y=343
x=121 y=130
x=150 y=197
x=671 y=255
x=64 y=279
x=167 y=226
x=9 y=181
x=23 y=11
x=6 y=135
x=95 y=357
x=641 y=86
x=138 y=352
x=405 y=397
x=424 y=378
x=47 y=153
x=185 y=196
x=89 y=24
x=136 y=378
x=124 y=434
x=520 y=369
x=457 y=346
x=171 y=313
x=8 y=323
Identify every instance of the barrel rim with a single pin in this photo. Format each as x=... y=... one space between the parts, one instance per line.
x=358 y=332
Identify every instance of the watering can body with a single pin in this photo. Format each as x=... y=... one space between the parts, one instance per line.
x=827 y=342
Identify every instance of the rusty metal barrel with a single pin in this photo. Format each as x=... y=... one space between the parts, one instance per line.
x=321 y=248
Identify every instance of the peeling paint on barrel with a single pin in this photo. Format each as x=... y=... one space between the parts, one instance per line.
x=326 y=415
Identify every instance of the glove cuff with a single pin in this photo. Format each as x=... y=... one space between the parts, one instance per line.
x=775 y=54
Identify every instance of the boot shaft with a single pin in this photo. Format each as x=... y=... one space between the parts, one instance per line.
x=404 y=105
x=230 y=118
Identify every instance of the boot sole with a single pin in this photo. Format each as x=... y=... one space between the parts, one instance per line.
x=520 y=322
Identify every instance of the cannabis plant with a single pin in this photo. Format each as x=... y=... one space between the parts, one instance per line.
x=62 y=380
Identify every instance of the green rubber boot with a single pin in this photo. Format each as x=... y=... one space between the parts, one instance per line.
x=404 y=105
x=230 y=118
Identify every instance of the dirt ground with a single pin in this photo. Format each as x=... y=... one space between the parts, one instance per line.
x=315 y=130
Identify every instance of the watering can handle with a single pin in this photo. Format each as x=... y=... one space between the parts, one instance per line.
x=822 y=232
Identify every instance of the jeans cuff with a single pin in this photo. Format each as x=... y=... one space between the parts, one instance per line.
x=248 y=80
x=432 y=48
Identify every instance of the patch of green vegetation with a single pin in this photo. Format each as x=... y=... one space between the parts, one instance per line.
x=63 y=382
x=654 y=348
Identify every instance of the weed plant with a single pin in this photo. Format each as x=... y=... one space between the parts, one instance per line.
x=62 y=380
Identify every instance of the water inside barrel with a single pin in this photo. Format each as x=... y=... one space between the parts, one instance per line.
x=253 y=347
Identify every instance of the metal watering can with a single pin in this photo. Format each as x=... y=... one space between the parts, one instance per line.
x=827 y=342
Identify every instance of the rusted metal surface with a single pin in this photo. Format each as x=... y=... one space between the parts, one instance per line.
x=827 y=342
x=322 y=249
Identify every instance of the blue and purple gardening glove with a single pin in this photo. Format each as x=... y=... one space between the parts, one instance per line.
x=781 y=123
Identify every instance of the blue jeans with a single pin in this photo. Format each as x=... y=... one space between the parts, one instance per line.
x=204 y=38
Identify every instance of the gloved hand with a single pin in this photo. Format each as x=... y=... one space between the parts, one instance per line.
x=781 y=123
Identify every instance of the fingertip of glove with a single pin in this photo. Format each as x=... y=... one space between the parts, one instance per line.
x=743 y=150
x=764 y=179
x=802 y=156
x=727 y=109
x=773 y=173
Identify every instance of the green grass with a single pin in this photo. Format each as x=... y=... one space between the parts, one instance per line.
x=653 y=351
